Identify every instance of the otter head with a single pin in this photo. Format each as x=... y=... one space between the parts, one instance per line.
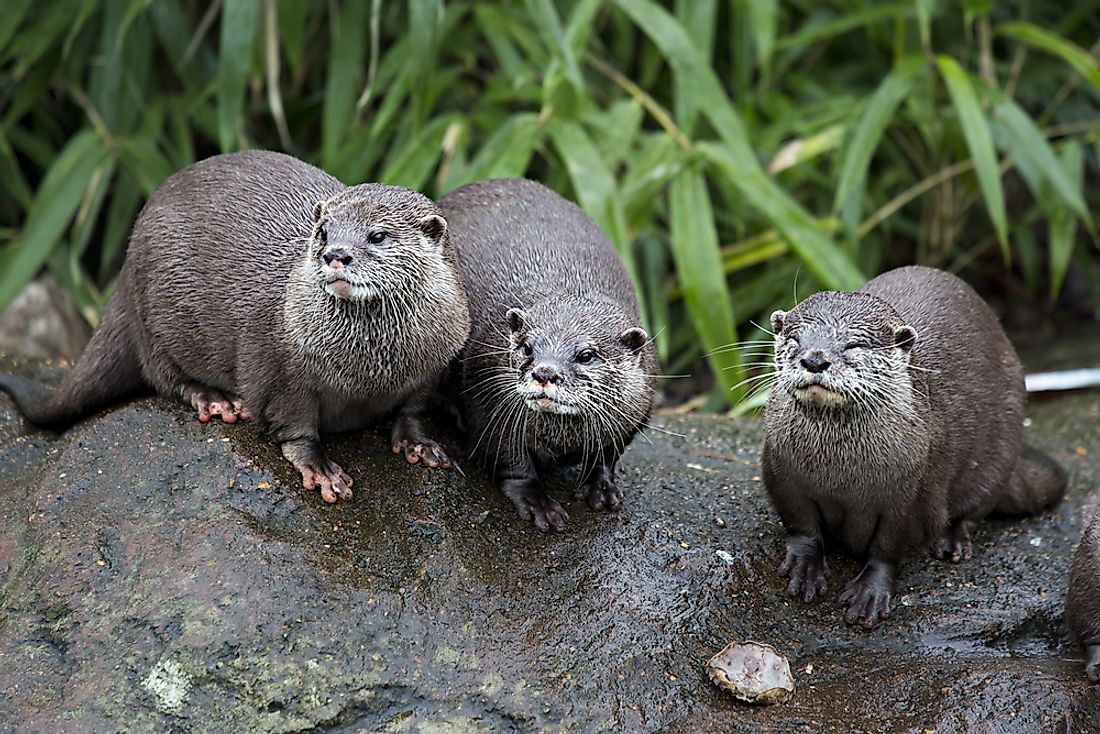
x=837 y=349
x=578 y=357
x=373 y=240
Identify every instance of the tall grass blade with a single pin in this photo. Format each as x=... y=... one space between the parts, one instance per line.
x=1082 y=62
x=342 y=81
x=975 y=130
x=1063 y=225
x=238 y=28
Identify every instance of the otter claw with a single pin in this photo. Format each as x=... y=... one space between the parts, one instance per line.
x=601 y=494
x=333 y=482
x=426 y=452
x=211 y=403
x=953 y=545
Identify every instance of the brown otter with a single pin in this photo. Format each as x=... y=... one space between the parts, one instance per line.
x=1083 y=600
x=256 y=285
x=895 y=419
x=557 y=369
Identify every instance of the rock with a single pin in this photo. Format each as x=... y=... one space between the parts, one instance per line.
x=159 y=574
x=43 y=322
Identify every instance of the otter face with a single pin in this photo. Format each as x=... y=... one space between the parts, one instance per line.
x=372 y=241
x=590 y=369
x=842 y=349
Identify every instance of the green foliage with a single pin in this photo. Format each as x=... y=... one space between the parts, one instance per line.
x=738 y=153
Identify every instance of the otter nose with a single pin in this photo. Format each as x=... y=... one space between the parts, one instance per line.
x=815 y=362
x=545 y=375
x=337 y=259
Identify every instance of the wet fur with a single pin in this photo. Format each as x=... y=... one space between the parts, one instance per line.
x=221 y=289
x=1083 y=600
x=521 y=246
x=927 y=442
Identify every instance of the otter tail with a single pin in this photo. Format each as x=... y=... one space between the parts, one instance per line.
x=108 y=370
x=1037 y=482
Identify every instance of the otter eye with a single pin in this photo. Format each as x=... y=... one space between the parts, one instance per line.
x=585 y=356
x=322 y=234
x=525 y=349
x=376 y=237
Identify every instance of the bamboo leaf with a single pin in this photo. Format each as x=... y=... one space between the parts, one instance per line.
x=978 y=139
x=595 y=188
x=694 y=244
x=343 y=80
x=762 y=16
x=14 y=10
x=412 y=164
x=56 y=203
x=734 y=157
x=871 y=14
x=238 y=29
x=866 y=135
x=507 y=152
x=1053 y=44
x=1063 y=226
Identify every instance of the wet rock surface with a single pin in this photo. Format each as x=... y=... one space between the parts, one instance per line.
x=163 y=575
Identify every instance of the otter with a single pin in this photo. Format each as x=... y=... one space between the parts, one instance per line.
x=895 y=420
x=1083 y=600
x=558 y=370
x=257 y=286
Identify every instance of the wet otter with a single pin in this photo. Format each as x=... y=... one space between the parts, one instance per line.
x=256 y=285
x=1083 y=600
x=895 y=419
x=557 y=369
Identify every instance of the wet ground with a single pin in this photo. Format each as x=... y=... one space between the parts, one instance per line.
x=157 y=574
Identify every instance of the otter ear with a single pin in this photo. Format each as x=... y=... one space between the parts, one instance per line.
x=777 y=321
x=633 y=338
x=905 y=337
x=318 y=211
x=434 y=227
x=517 y=319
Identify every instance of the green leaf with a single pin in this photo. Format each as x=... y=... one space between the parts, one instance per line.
x=143 y=160
x=344 y=71
x=14 y=10
x=975 y=129
x=866 y=135
x=120 y=218
x=694 y=244
x=57 y=202
x=871 y=14
x=238 y=29
x=412 y=164
x=735 y=157
x=1053 y=44
x=595 y=188
x=507 y=152
x=1063 y=226
x=1028 y=141
x=762 y=16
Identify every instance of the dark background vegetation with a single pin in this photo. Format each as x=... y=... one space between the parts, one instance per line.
x=737 y=152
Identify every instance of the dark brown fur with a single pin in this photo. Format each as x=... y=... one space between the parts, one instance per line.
x=1083 y=600
x=546 y=288
x=225 y=301
x=908 y=431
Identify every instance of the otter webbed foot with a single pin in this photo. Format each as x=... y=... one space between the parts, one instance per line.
x=954 y=544
x=600 y=491
x=318 y=472
x=211 y=403
x=805 y=566
x=868 y=595
x=408 y=437
x=1092 y=663
x=533 y=504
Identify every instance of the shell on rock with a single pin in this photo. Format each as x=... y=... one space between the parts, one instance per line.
x=753 y=672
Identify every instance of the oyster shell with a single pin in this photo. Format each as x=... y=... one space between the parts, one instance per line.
x=753 y=672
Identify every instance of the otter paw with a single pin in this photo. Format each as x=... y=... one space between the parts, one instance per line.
x=868 y=602
x=601 y=494
x=334 y=482
x=806 y=569
x=211 y=403
x=535 y=505
x=426 y=452
x=953 y=545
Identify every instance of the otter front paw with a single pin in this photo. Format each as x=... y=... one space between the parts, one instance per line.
x=601 y=494
x=318 y=472
x=868 y=595
x=535 y=505
x=425 y=451
x=805 y=565
x=954 y=544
